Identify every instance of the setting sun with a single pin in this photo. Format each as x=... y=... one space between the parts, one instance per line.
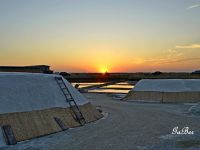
x=103 y=69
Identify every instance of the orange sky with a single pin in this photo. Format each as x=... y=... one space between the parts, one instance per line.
x=99 y=36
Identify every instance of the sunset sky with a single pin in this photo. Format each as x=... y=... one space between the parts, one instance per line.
x=101 y=35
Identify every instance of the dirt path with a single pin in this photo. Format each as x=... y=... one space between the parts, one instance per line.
x=127 y=125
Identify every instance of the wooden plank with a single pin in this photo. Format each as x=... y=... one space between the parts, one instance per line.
x=60 y=123
x=9 y=135
x=2 y=140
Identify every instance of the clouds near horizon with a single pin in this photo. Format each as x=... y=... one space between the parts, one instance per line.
x=194 y=6
x=192 y=46
x=172 y=57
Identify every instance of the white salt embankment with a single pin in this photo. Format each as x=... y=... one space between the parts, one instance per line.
x=166 y=90
x=34 y=105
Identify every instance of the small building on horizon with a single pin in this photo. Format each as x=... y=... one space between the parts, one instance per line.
x=31 y=69
x=196 y=72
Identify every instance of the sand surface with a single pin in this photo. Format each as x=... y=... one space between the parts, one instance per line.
x=126 y=126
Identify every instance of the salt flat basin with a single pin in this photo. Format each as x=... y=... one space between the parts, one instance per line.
x=86 y=84
x=108 y=91
x=121 y=87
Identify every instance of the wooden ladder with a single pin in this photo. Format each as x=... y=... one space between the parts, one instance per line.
x=73 y=106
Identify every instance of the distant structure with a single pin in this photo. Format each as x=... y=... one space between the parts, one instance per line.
x=157 y=73
x=196 y=72
x=64 y=74
x=31 y=69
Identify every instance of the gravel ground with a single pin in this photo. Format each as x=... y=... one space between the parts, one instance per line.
x=126 y=125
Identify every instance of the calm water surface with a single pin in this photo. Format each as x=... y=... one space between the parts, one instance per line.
x=122 y=87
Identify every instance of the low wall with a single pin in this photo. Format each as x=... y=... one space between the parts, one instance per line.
x=28 y=125
x=165 y=97
x=146 y=96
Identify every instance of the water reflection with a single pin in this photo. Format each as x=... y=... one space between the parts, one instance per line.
x=84 y=84
x=122 y=87
x=108 y=91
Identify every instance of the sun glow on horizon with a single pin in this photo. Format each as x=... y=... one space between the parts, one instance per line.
x=103 y=69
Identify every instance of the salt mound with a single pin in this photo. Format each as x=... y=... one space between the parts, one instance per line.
x=168 y=85
x=34 y=105
x=20 y=92
x=166 y=91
